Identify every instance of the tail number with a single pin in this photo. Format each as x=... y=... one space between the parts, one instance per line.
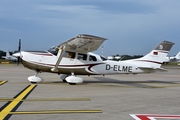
x=119 y=68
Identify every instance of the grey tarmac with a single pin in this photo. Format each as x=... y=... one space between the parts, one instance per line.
x=110 y=97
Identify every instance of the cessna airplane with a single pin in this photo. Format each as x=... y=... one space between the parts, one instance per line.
x=74 y=57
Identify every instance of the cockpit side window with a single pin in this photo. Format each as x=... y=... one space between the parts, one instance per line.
x=92 y=58
x=103 y=58
x=82 y=56
x=68 y=54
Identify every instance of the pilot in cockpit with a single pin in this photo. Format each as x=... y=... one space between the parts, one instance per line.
x=71 y=55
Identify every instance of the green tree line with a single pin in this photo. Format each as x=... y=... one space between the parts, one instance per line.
x=127 y=57
x=2 y=53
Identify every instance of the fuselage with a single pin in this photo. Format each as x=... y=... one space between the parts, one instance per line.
x=73 y=57
x=77 y=63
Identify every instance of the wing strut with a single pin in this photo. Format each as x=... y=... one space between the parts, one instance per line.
x=60 y=55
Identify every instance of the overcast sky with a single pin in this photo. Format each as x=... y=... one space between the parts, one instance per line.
x=132 y=27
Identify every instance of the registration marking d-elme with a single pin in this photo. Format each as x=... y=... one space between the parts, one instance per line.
x=12 y=106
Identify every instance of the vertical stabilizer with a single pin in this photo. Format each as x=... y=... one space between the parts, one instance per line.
x=156 y=57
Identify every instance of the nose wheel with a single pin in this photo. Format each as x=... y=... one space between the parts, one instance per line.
x=35 y=79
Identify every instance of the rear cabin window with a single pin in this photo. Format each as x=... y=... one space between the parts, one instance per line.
x=92 y=58
x=68 y=54
x=103 y=58
x=82 y=56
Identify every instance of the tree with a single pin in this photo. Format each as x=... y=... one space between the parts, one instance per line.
x=2 y=53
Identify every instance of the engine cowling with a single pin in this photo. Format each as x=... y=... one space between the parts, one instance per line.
x=35 y=79
x=74 y=79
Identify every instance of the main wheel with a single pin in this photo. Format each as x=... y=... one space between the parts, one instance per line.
x=33 y=82
x=64 y=81
x=72 y=83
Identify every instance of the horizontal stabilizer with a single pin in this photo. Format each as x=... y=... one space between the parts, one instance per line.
x=162 y=69
x=152 y=68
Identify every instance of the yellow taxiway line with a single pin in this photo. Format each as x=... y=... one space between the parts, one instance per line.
x=55 y=112
x=14 y=104
x=45 y=99
x=2 y=82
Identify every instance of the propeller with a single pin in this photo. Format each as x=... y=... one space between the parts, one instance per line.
x=19 y=50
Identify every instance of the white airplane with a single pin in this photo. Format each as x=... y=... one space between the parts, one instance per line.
x=74 y=57
x=10 y=57
x=172 y=59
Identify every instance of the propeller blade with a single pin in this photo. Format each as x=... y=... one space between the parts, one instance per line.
x=19 y=50
x=18 y=60
x=19 y=47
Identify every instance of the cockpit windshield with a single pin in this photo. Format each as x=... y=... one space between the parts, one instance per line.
x=103 y=58
x=53 y=50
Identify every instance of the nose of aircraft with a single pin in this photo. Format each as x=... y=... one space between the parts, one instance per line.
x=17 y=54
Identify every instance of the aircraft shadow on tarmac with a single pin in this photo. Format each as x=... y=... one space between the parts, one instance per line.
x=134 y=83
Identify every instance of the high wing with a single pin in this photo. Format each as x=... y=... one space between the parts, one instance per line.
x=83 y=43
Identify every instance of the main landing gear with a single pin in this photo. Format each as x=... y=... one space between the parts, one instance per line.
x=71 y=79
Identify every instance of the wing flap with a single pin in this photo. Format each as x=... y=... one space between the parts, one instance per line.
x=83 y=43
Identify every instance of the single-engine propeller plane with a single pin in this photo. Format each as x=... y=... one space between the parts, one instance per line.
x=74 y=57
